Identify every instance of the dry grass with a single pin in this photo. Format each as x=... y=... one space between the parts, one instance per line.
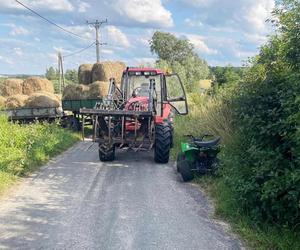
x=11 y=87
x=42 y=100
x=16 y=101
x=36 y=84
x=98 y=89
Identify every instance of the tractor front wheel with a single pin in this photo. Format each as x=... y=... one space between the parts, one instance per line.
x=106 y=154
x=185 y=170
x=163 y=140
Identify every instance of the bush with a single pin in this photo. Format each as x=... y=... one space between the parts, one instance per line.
x=24 y=147
x=262 y=159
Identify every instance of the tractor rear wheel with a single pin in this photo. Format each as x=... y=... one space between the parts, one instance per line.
x=106 y=154
x=163 y=140
x=185 y=170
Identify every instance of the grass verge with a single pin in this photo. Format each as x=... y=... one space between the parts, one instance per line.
x=264 y=236
x=23 y=148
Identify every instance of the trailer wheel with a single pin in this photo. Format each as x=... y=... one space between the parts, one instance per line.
x=73 y=124
x=163 y=137
x=185 y=170
x=106 y=154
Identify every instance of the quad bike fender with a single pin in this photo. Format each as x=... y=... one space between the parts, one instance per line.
x=189 y=151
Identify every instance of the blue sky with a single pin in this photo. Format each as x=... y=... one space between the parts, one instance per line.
x=222 y=31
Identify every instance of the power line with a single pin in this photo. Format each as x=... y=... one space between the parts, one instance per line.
x=79 y=51
x=51 y=22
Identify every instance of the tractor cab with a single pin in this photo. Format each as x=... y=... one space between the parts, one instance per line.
x=148 y=84
x=138 y=114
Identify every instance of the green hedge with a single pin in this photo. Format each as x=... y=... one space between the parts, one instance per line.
x=24 y=147
x=262 y=160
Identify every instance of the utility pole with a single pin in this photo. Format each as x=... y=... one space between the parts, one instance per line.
x=97 y=24
x=61 y=73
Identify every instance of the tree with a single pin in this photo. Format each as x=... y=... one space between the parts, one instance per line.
x=51 y=74
x=178 y=55
x=71 y=75
x=169 y=48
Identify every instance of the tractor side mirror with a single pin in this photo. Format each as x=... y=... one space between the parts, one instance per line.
x=176 y=94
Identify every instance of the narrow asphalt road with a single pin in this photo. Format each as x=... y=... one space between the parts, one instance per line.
x=77 y=202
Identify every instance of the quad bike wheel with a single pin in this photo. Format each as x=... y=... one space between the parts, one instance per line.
x=180 y=157
x=185 y=170
x=106 y=154
x=163 y=137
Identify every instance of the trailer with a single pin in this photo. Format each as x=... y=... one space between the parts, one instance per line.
x=27 y=115
x=73 y=119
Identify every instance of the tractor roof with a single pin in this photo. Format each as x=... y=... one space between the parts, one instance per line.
x=157 y=71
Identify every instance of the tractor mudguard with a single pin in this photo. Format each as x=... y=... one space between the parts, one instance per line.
x=189 y=151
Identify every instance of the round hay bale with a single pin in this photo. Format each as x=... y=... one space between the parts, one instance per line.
x=42 y=100
x=2 y=102
x=98 y=89
x=37 y=84
x=106 y=70
x=75 y=91
x=58 y=97
x=11 y=87
x=16 y=101
x=85 y=74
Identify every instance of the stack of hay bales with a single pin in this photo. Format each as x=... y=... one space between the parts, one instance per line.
x=105 y=71
x=85 y=74
x=94 y=80
x=33 y=92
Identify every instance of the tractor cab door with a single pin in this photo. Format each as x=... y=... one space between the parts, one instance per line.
x=175 y=94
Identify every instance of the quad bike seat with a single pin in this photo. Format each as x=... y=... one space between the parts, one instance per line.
x=211 y=143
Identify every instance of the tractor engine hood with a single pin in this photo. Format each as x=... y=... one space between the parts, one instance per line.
x=137 y=103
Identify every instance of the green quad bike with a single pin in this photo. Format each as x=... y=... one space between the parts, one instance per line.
x=198 y=155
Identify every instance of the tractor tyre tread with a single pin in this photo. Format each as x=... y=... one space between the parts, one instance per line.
x=163 y=137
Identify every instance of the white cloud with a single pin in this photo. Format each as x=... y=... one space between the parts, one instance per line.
x=18 y=51
x=17 y=30
x=6 y=60
x=249 y=15
x=256 y=38
x=257 y=13
x=83 y=7
x=145 y=11
x=193 y=23
x=200 y=45
x=107 y=51
x=117 y=37
x=82 y=30
x=39 y=5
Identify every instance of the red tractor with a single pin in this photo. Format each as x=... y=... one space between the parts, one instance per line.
x=138 y=115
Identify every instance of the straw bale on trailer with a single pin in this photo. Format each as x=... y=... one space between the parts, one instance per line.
x=11 y=87
x=15 y=101
x=2 y=102
x=36 y=84
x=85 y=74
x=98 y=89
x=75 y=91
x=106 y=70
x=42 y=100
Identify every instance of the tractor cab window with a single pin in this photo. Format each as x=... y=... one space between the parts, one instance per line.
x=138 y=85
x=176 y=94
